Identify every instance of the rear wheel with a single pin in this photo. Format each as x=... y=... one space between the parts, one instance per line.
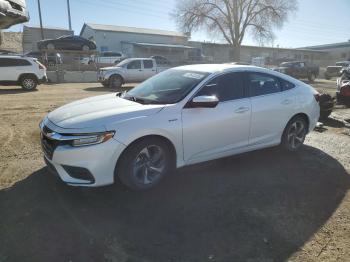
x=294 y=134
x=29 y=83
x=115 y=81
x=144 y=164
x=85 y=48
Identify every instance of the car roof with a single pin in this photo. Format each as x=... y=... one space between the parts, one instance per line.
x=11 y=56
x=214 y=68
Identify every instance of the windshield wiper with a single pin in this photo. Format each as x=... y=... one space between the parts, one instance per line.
x=135 y=99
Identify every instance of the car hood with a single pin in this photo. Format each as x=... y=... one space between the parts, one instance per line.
x=97 y=112
x=111 y=68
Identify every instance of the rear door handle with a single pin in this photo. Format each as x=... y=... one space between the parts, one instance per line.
x=286 y=102
x=241 y=110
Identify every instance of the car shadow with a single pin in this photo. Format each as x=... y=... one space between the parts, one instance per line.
x=261 y=206
x=14 y=90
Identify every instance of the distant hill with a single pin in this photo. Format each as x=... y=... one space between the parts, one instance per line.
x=12 y=41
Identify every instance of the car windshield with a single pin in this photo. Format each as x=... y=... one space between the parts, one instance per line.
x=287 y=64
x=168 y=87
x=122 y=63
x=343 y=64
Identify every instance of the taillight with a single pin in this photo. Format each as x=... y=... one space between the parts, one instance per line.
x=317 y=97
x=41 y=66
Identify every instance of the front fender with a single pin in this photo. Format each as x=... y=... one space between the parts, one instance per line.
x=108 y=74
x=129 y=131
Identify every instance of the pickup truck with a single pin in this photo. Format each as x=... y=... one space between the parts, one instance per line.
x=299 y=69
x=332 y=71
x=128 y=71
x=104 y=58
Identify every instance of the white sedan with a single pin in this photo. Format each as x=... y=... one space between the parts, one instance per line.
x=179 y=117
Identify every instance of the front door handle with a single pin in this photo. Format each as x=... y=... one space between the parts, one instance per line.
x=286 y=102
x=241 y=110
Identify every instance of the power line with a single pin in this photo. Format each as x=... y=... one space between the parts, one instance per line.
x=127 y=8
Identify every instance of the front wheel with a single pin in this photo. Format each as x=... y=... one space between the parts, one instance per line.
x=115 y=81
x=294 y=134
x=144 y=164
x=85 y=48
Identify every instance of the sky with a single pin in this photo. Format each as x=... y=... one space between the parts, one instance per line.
x=316 y=21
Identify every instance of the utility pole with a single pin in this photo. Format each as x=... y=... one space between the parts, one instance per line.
x=69 y=17
x=41 y=21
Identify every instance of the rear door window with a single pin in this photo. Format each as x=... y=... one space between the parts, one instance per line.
x=286 y=85
x=9 y=62
x=147 y=64
x=263 y=84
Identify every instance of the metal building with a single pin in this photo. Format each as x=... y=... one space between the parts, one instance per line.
x=138 y=42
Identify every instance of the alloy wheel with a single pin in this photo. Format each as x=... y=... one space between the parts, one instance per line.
x=149 y=165
x=28 y=83
x=296 y=135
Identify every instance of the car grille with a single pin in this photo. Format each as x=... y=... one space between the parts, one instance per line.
x=49 y=145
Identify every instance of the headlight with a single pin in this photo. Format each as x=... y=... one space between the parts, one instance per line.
x=92 y=139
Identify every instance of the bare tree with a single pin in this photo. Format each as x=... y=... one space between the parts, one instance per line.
x=233 y=19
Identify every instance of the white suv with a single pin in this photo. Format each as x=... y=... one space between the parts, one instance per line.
x=18 y=70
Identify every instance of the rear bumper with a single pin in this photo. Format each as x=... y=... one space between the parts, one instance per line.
x=43 y=80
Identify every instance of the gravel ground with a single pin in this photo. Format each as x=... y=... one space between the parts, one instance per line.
x=262 y=206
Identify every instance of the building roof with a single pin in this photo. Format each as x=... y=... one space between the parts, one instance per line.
x=127 y=29
x=259 y=47
x=328 y=46
x=47 y=28
x=162 y=45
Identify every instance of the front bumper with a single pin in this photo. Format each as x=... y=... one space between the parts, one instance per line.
x=89 y=166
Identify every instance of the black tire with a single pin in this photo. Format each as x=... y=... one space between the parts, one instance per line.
x=29 y=83
x=129 y=160
x=85 y=48
x=115 y=81
x=326 y=103
x=90 y=62
x=287 y=138
x=325 y=114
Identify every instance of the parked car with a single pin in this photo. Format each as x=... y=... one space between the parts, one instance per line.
x=128 y=71
x=343 y=87
x=50 y=60
x=12 y=12
x=104 y=58
x=332 y=71
x=179 y=117
x=161 y=60
x=299 y=69
x=69 y=42
x=18 y=70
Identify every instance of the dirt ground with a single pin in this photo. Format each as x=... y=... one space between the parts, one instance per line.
x=262 y=206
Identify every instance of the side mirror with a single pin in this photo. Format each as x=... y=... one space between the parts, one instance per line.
x=204 y=101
